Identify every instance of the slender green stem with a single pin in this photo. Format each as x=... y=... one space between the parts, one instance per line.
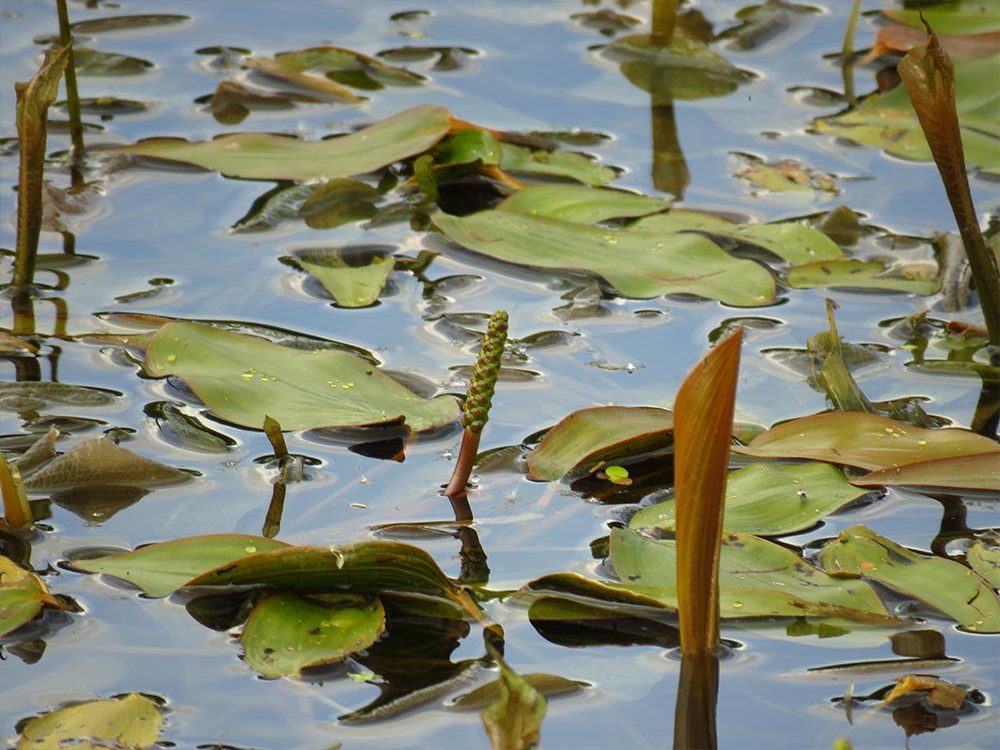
x=72 y=93
x=847 y=53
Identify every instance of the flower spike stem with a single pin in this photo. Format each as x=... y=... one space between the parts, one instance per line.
x=477 y=412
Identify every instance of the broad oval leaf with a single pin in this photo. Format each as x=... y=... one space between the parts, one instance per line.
x=858 y=274
x=99 y=461
x=793 y=242
x=945 y=585
x=130 y=722
x=769 y=499
x=757 y=578
x=160 y=569
x=373 y=567
x=22 y=596
x=589 y=438
x=286 y=633
x=864 y=440
x=580 y=204
x=977 y=472
x=264 y=156
x=638 y=264
x=244 y=378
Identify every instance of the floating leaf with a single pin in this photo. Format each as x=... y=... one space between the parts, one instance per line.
x=900 y=39
x=582 y=205
x=791 y=241
x=232 y=102
x=468 y=146
x=769 y=499
x=554 y=163
x=976 y=472
x=939 y=692
x=589 y=438
x=364 y=568
x=347 y=66
x=59 y=393
x=864 y=440
x=22 y=596
x=354 y=276
x=888 y=121
x=945 y=585
x=787 y=175
x=857 y=274
x=99 y=461
x=757 y=578
x=160 y=569
x=638 y=264
x=130 y=22
x=338 y=202
x=263 y=156
x=956 y=17
x=286 y=633
x=985 y=560
x=131 y=722
x=313 y=83
x=91 y=62
x=244 y=378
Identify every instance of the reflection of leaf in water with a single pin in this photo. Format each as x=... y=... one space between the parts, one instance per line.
x=91 y=62
x=354 y=276
x=606 y=21
x=337 y=202
x=132 y=721
x=286 y=633
x=513 y=720
x=244 y=378
x=280 y=203
x=59 y=393
x=22 y=596
x=184 y=430
x=98 y=461
x=232 y=102
x=945 y=585
x=265 y=156
x=446 y=59
x=771 y=20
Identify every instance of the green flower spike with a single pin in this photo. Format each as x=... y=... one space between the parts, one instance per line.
x=484 y=375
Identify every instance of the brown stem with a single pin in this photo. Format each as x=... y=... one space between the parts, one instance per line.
x=697 y=696
x=664 y=21
x=455 y=491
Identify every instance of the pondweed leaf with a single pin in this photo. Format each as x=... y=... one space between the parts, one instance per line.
x=132 y=721
x=22 y=596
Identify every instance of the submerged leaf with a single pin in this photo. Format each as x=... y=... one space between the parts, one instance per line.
x=864 y=440
x=160 y=569
x=263 y=156
x=244 y=378
x=22 y=596
x=769 y=499
x=945 y=585
x=286 y=633
x=130 y=722
x=589 y=438
x=638 y=264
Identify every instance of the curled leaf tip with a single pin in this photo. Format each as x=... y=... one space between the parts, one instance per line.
x=485 y=373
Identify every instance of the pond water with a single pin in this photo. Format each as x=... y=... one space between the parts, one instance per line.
x=160 y=241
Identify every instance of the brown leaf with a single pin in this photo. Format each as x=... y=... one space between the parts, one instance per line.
x=900 y=39
x=939 y=692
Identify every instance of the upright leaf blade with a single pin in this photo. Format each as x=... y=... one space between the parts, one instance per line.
x=703 y=415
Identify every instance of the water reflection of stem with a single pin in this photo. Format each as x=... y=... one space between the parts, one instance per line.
x=697 y=695
x=664 y=21
x=953 y=524
x=670 y=170
x=272 y=521
x=475 y=568
x=72 y=96
x=847 y=53
x=986 y=419
x=22 y=305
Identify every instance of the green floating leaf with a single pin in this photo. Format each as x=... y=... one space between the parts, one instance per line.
x=354 y=277
x=160 y=569
x=131 y=722
x=793 y=242
x=338 y=202
x=244 y=378
x=985 y=560
x=858 y=274
x=864 y=440
x=286 y=633
x=58 y=393
x=785 y=176
x=945 y=585
x=348 y=67
x=888 y=121
x=468 y=146
x=264 y=156
x=22 y=596
x=99 y=461
x=638 y=264
x=589 y=438
x=580 y=204
x=769 y=499
x=955 y=17
x=514 y=720
x=757 y=578
x=130 y=22
x=555 y=164
x=976 y=472
x=93 y=63
x=364 y=568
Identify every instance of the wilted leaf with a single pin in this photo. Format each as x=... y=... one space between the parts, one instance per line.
x=757 y=578
x=554 y=163
x=98 y=461
x=900 y=39
x=22 y=596
x=939 y=692
x=942 y=584
x=580 y=204
x=286 y=633
x=244 y=378
x=864 y=440
x=638 y=264
x=264 y=156
x=160 y=569
x=976 y=472
x=858 y=274
x=769 y=499
x=590 y=438
x=131 y=722
x=791 y=241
